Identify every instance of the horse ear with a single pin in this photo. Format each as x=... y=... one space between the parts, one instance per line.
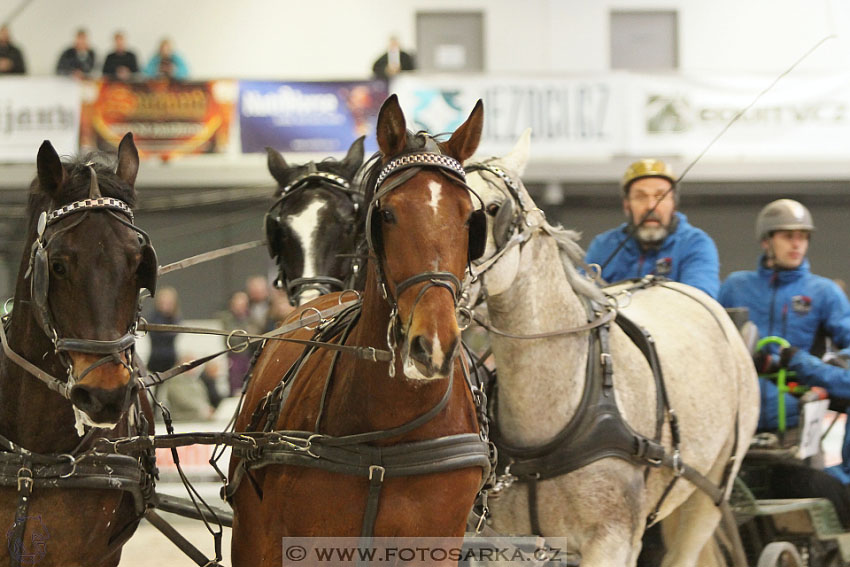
x=128 y=160
x=277 y=165
x=354 y=159
x=392 y=128
x=51 y=173
x=464 y=141
x=517 y=159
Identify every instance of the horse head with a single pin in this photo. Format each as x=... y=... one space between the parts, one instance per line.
x=423 y=229
x=313 y=230
x=497 y=180
x=87 y=264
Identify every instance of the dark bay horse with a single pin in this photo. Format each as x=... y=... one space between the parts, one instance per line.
x=67 y=378
x=423 y=228
x=314 y=227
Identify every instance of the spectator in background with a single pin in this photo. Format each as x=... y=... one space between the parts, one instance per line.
x=185 y=396
x=279 y=309
x=393 y=62
x=166 y=63
x=237 y=317
x=209 y=378
x=77 y=60
x=11 y=58
x=166 y=312
x=257 y=288
x=121 y=64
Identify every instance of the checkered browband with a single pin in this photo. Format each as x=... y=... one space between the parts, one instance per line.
x=98 y=203
x=426 y=159
x=335 y=179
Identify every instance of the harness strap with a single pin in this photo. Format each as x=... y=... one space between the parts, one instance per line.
x=24 y=480
x=49 y=380
x=443 y=454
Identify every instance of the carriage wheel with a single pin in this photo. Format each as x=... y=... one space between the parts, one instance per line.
x=780 y=554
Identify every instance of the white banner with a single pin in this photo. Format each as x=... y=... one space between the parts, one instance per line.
x=34 y=109
x=801 y=117
x=571 y=117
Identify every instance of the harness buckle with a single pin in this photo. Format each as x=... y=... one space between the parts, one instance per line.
x=678 y=465
x=25 y=479
x=606 y=359
x=378 y=468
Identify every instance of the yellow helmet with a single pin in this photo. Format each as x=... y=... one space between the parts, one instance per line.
x=647 y=168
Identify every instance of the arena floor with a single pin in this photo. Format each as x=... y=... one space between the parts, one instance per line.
x=149 y=548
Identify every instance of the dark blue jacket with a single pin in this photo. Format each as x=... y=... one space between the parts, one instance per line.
x=793 y=304
x=687 y=255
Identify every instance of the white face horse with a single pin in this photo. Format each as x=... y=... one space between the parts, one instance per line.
x=533 y=287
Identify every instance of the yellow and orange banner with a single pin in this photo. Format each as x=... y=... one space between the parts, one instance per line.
x=167 y=118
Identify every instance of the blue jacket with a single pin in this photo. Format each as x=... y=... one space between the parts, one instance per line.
x=687 y=255
x=793 y=304
x=812 y=371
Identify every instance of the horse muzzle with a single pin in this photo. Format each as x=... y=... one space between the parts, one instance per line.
x=103 y=388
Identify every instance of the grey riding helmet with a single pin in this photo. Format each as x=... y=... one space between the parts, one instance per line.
x=783 y=214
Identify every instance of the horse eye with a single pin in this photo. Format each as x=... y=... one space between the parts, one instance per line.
x=492 y=209
x=387 y=216
x=58 y=268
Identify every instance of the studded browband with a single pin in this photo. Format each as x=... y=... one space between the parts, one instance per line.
x=97 y=203
x=413 y=160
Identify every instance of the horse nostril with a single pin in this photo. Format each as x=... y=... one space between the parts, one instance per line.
x=421 y=349
x=83 y=399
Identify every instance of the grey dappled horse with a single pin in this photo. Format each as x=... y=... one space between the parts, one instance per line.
x=602 y=507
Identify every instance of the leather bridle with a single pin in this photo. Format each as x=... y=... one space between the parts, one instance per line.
x=38 y=273
x=323 y=284
x=409 y=165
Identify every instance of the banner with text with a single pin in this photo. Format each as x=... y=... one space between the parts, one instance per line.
x=167 y=118
x=801 y=117
x=308 y=117
x=34 y=109
x=574 y=117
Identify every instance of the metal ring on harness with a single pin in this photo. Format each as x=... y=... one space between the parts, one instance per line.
x=339 y=299
x=594 y=272
x=237 y=332
x=143 y=332
x=6 y=309
x=466 y=314
x=73 y=463
x=318 y=314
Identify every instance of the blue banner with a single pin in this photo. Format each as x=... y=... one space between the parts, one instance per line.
x=308 y=117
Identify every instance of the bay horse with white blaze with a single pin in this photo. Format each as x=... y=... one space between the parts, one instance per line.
x=380 y=445
x=611 y=427
x=67 y=374
x=315 y=226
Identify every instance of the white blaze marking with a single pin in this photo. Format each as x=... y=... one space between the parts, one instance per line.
x=305 y=225
x=435 y=194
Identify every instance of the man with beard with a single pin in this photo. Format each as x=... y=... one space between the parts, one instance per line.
x=656 y=239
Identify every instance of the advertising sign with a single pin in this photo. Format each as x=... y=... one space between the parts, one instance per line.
x=308 y=117
x=34 y=109
x=167 y=118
